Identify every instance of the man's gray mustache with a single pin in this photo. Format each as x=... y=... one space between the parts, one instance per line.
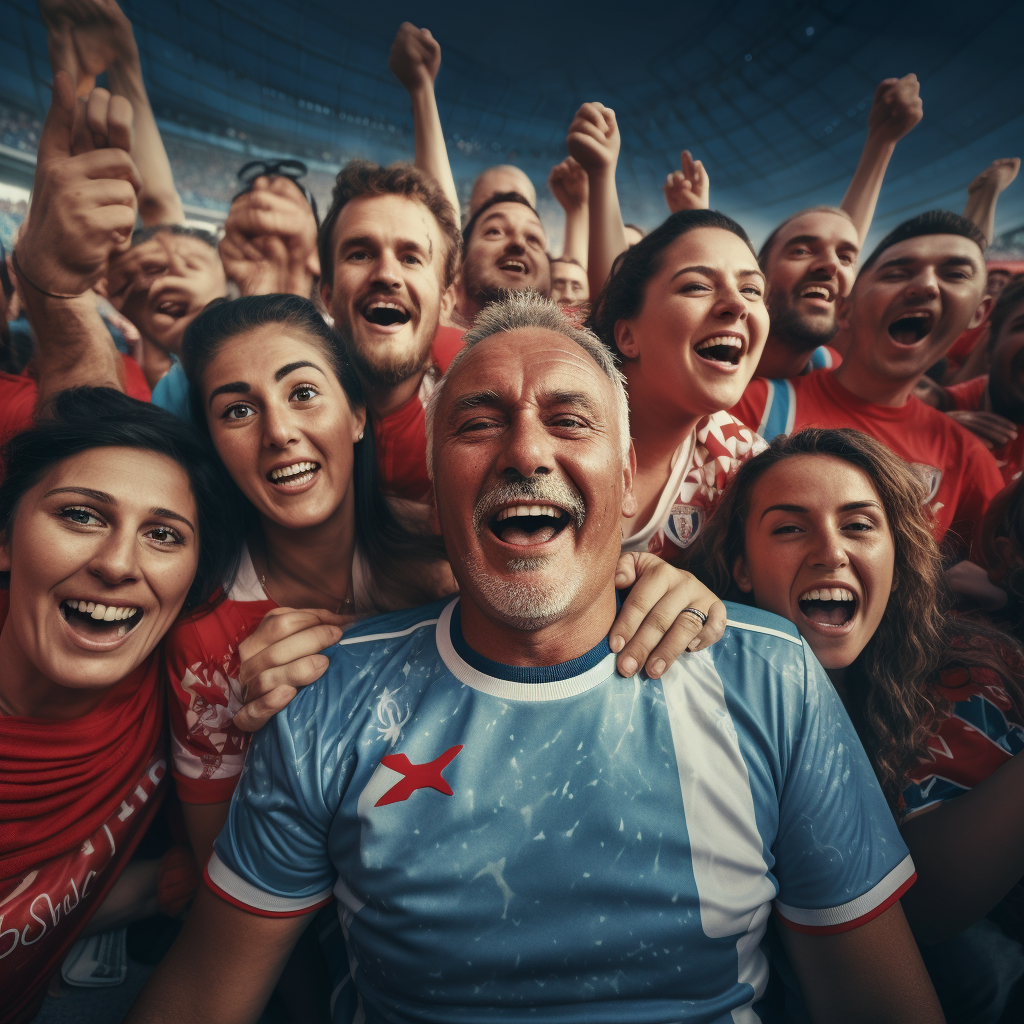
x=530 y=490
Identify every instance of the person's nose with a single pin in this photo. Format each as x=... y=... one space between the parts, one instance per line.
x=829 y=551
x=923 y=285
x=825 y=265
x=388 y=270
x=730 y=304
x=279 y=430
x=527 y=450
x=116 y=560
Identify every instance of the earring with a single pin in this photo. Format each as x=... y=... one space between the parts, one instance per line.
x=360 y=437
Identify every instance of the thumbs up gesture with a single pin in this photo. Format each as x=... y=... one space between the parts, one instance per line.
x=84 y=196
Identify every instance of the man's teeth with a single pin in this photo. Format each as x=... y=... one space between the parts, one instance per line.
x=529 y=510
x=514 y=265
x=294 y=470
x=816 y=293
x=726 y=341
x=828 y=594
x=385 y=305
x=106 y=612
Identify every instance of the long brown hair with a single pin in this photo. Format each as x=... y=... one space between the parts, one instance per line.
x=894 y=682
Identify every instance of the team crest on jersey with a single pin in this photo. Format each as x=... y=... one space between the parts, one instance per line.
x=390 y=716
x=684 y=523
x=928 y=477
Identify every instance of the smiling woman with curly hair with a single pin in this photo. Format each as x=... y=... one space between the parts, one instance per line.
x=825 y=529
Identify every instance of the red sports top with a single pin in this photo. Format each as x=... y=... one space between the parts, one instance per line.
x=201 y=660
x=77 y=796
x=973 y=396
x=956 y=469
x=400 y=438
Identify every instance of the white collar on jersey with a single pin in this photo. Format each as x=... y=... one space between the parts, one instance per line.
x=506 y=688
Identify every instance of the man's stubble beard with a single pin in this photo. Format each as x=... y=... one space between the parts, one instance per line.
x=387 y=370
x=797 y=331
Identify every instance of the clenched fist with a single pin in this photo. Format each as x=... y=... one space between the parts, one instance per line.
x=415 y=57
x=896 y=108
x=593 y=138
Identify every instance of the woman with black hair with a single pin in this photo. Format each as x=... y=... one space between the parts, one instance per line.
x=684 y=311
x=113 y=517
x=285 y=413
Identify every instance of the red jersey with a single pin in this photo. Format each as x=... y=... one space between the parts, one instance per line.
x=400 y=438
x=201 y=659
x=982 y=732
x=973 y=396
x=701 y=468
x=77 y=797
x=959 y=475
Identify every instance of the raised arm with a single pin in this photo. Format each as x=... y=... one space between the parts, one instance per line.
x=688 y=188
x=983 y=192
x=871 y=973
x=83 y=211
x=568 y=184
x=88 y=37
x=895 y=109
x=414 y=60
x=593 y=140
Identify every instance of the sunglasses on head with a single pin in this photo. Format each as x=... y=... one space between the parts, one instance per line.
x=293 y=170
x=5 y=278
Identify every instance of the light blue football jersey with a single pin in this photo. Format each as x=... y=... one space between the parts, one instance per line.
x=562 y=844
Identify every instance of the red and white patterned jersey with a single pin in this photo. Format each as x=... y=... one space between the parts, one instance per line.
x=201 y=658
x=701 y=468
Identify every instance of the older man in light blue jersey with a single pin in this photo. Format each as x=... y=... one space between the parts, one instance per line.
x=513 y=831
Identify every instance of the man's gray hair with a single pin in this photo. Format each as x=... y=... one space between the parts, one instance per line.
x=522 y=311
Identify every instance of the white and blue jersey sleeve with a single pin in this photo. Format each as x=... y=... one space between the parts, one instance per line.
x=561 y=845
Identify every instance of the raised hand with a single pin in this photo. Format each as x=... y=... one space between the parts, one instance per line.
x=415 y=56
x=996 y=176
x=688 y=189
x=593 y=138
x=86 y=37
x=269 y=243
x=896 y=108
x=84 y=197
x=569 y=185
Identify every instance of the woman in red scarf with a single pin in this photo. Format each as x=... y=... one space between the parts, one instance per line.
x=113 y=518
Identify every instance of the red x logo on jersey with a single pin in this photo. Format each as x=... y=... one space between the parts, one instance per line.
x=417 y=776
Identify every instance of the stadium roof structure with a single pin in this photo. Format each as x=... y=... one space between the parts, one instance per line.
x=773 y=96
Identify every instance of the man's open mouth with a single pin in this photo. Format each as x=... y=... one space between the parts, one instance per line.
x=297 y=474
x=528 y=524
x=723 y=349
x=910 y=328
x=513 y=266
x=385 y=312
x=100 y=622
x=174 y=308
x=829 y=606
x=816 y=291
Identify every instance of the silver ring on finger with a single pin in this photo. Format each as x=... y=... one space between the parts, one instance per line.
x=697 y=613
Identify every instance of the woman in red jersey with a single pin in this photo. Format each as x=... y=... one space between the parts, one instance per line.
x=112 y=519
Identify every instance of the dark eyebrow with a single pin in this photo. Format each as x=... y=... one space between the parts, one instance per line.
x=711 y=272
x=960 y=261
x=812 y=239
x=237 y=387
x=848 y=507
x=107 y=499
x=290 y=367
x=168 y=514
x=370 y=243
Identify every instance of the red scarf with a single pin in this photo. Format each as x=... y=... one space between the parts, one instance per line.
x=60 y=780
